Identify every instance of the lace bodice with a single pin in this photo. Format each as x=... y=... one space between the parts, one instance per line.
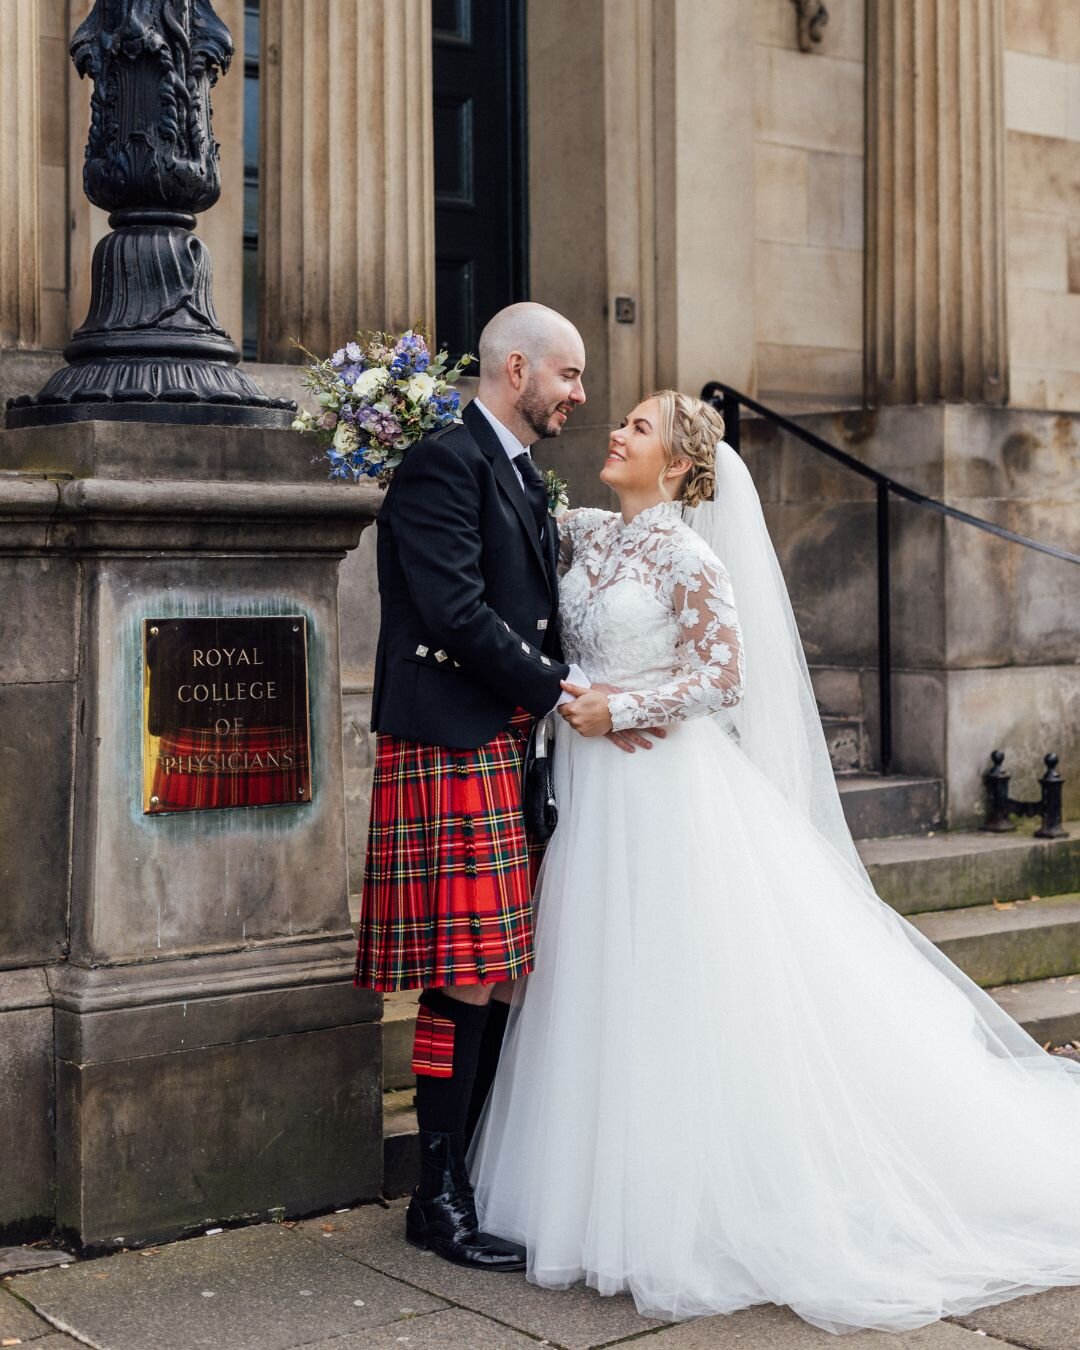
x=648 y=607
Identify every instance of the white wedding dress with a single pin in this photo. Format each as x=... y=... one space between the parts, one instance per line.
x=736 y=1076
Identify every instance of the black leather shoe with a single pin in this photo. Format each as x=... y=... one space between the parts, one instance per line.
x=441 y=1217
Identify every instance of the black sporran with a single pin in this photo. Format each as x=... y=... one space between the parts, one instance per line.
x=538 y=804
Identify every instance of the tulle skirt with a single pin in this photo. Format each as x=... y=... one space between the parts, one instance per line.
x=736 y=1077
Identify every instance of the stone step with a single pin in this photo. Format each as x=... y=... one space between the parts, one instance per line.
x=401 y=1151
x=1011 y=944
x=956 y=870
x=1048 y=1010
x=876 y=807
x=399 y=1021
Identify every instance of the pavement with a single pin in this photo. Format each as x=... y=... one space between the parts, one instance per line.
x=348 y=1281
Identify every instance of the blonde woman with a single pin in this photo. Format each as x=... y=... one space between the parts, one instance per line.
x=735 y=1076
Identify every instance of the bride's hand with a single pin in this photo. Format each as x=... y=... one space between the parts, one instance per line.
x=588 y=713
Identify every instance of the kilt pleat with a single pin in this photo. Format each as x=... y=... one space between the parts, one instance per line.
x=448 y=884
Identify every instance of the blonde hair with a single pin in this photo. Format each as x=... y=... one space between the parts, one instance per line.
x=689 y=429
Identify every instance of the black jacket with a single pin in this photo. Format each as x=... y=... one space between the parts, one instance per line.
x=468 y=594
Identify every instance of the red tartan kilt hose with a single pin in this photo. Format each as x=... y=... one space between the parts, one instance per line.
x=448 y=883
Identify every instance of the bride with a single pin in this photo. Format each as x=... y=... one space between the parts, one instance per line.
x=736 y=1076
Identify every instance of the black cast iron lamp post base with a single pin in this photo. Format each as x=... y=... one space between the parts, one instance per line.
x=151 y=348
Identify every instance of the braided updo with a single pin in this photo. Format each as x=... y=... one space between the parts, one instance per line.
x=689 y=429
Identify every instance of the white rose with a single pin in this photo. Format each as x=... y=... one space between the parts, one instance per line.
x=370 y=381
x=346 y=438
x=420 y=387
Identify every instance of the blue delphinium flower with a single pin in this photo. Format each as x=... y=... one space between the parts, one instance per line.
x=338 y=358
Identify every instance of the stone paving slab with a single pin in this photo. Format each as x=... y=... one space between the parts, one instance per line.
x=576 y=1318
x=15 y=1260
x=772 y=1328
x=18 y=1322
x=455 y=1330
x=260 y=1288
x=1049 y=1321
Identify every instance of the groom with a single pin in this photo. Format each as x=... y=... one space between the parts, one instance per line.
x=467 y=658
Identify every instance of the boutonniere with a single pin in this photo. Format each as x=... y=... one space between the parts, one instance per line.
x=558 y=495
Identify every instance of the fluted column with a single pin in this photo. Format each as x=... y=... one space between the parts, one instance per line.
x=20 y=121
x=347 y=216
x=935 y=266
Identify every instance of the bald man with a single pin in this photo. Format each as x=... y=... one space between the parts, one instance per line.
x=468 y=657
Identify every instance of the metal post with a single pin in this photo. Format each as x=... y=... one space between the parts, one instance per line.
x=997 y=796
x=731 y=412
x=1050 y=804
x=884 y=629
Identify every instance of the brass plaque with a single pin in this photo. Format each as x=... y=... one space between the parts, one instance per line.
x=225 y=713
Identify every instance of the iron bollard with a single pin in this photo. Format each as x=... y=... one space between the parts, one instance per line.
x=1000 y=806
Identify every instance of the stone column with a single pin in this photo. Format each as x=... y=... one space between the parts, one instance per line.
x=704 y=148
x=222 y=227
x=20 y=120
x=347 y=216
x=935 y=239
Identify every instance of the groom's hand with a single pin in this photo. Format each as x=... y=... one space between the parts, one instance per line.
x=588 y=713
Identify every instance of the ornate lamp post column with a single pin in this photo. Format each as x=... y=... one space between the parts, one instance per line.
x=151 y=348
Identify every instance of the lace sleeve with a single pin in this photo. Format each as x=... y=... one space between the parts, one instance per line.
x=574 y=527
x=709 y=655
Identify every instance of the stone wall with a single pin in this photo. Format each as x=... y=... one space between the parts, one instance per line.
x=986 y=634
x=1042 y=180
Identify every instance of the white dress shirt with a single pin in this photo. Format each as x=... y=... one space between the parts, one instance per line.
x=507 y=439
x=513 y=448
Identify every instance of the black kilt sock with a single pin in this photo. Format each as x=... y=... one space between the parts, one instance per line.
x=487 y=1064
x=444 y=1080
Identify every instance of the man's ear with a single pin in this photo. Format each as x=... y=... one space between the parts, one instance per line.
x=517 y=366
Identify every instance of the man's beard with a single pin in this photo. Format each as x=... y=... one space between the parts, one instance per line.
x=537 y=414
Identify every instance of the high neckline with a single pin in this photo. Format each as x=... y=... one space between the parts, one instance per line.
x=652 y=515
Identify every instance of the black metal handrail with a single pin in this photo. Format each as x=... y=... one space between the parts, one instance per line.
x=730 y=403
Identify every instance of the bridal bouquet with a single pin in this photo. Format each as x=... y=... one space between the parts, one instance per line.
x=378 y=395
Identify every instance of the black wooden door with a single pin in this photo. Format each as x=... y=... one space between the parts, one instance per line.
x=481 y=244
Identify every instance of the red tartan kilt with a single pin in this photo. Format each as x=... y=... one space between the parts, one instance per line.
x=448 y=884
x=261 y=766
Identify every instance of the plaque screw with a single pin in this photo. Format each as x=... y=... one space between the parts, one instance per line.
x=153 y=632
x=296 y=628
x=155 y=801
x=300 y=793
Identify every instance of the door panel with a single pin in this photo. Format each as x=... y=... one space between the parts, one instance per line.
x=481 y=245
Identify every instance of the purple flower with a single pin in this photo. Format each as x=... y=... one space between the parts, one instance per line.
x=338 y=358
x=353 y=352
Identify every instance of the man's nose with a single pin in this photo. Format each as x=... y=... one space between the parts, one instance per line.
x=578 y=392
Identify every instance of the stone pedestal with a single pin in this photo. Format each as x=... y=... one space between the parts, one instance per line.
x=986 y=634
x=190 y=973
